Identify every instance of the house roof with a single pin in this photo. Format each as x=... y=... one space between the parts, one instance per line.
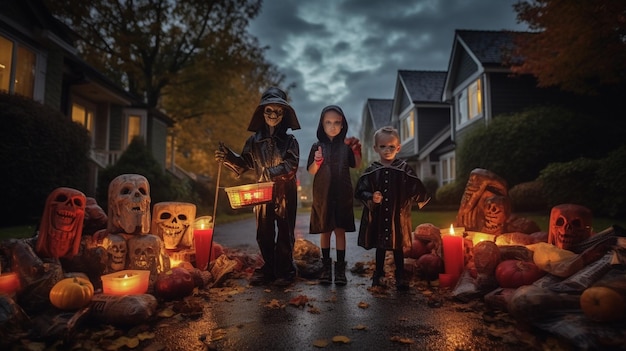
x=423 y=86
x=380 y=112
x=489 y=47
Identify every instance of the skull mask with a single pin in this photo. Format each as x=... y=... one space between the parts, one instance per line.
x=496 y=210
x=116 y=251
x=171 y=221
x=62 y=224
x=569 y=225
x=129 y=204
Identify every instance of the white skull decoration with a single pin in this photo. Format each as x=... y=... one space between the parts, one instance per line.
x=570 y=224
x=116 y=251
x=172 y=222
x=129 y=204
x=496 y=210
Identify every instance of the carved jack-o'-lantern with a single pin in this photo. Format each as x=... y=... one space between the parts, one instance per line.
x=172 y=222
x=117 y=249
x=496 y=210
x=61 y=224
x=570 y=224
x=129 y=204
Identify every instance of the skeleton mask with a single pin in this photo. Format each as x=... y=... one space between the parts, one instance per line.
x=570 y=224
x=172 y=221
x=116 y=251
x=496 y=210
x=61 y=224
x=129 y=204
x=273 y=114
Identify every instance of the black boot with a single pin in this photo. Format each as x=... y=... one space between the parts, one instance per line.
x=326 y=277
x=402 y=283
x=340 y=273
x=376 y=278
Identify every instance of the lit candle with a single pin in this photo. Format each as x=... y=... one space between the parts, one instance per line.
x=203 y=241
x=453 y=256
x=127 y=282
x=478 y=237
x=9 y=283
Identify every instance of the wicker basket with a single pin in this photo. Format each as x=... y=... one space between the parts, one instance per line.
x=250 y=194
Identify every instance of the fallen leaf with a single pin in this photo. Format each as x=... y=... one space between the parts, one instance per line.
x=402 y=340
x=275 y=304
x=166 y=313
x=314 y=310
x=321 y=343
x=363 y=304
x=341 y=339
x=359 y=327
x=299 y=301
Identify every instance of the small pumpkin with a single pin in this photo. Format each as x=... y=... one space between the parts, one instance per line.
x=71 y=293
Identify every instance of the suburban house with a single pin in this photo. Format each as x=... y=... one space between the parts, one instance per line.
x=433 y=110
x=422 y=119
x=38 y=59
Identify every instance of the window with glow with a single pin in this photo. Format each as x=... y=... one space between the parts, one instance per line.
x=134 y=127
x=6 y=53
x=407 y=130
x=470 y=103
x=83 y=116
x=17 y=68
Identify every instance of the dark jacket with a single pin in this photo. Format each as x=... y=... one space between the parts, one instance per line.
x=387 y=225
x=333 y=199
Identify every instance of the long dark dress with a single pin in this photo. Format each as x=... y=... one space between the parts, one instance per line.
x=387 y=225
x=333 y=195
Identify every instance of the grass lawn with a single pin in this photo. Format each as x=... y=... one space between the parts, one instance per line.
x=441 y=219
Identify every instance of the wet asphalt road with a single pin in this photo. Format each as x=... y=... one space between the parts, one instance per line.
x=261 y=318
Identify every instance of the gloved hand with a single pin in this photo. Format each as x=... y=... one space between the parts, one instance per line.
x=220 y=153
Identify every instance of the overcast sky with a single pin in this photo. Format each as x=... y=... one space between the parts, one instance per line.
x=344 y=52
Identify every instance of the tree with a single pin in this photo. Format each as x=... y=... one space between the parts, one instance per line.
x=579 y=46
x=144 y=44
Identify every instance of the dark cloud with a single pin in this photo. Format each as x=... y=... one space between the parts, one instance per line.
x=346 y=51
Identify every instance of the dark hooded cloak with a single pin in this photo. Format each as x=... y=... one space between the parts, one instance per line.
x=333 y=198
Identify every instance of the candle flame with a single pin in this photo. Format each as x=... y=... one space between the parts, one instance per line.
x=451 y=229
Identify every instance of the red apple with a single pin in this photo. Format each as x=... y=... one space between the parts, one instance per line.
x=174 y=284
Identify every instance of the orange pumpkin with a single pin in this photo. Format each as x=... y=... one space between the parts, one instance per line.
x=602 y=304
x=71 y=293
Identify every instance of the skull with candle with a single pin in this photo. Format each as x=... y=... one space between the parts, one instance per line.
x=61 y=224
x=117 y=249
x=570 y=224
x=129 y=204
x=172 y=222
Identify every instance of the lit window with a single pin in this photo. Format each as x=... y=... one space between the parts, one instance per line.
x=448 y=165
x=84 y=116
x=407 y=130
x=20 y=63
x=134 y=127
x=470 y=103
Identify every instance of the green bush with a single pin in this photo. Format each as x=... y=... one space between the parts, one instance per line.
x=517 y=147
x=41 y=150
x=528 y=197
x=612 y=177
x=573 y=182
x=451 y=194
x=137 y=159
